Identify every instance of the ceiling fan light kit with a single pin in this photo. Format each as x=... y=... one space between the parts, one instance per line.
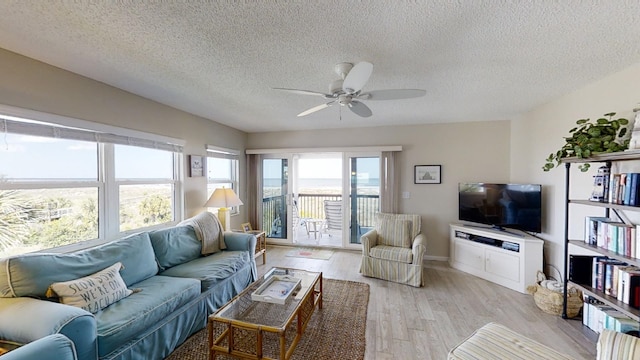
x=347 y=90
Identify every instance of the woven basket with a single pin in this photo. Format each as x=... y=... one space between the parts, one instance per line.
x=551 y=301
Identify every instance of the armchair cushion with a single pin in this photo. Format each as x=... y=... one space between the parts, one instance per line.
x=392 y=253
x=393 y=231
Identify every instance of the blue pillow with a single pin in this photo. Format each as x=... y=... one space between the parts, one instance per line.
x=32 y=274
x=175 y=245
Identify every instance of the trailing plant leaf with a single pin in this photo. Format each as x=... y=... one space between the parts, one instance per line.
x=606 y=135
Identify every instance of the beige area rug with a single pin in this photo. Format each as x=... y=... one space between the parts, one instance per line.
x=335 y=332
x=311 y=253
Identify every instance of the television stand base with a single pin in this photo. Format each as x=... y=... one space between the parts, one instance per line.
x=496 y=256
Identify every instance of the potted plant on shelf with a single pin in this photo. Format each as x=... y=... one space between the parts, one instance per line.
x=606 y=135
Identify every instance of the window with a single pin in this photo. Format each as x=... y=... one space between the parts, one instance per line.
x=64 y=185
x=222 y=171
x=144 y=178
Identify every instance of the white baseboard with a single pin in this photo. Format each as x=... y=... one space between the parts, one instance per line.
x=435 y=258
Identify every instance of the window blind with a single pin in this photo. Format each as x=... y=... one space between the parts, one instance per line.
x=223 y=153
x=35 y=128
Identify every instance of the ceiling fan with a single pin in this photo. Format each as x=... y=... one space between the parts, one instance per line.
x=347 y=91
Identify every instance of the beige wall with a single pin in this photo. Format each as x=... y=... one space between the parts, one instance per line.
x=541 y=132
x=478 y=151
x=30 y=84
x=475 y=151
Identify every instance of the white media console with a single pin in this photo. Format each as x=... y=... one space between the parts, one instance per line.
x=510 y=259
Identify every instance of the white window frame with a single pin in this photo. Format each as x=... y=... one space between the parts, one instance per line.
x=108 y=187
x=230 y=154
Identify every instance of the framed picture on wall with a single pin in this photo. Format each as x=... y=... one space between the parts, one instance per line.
x=196 y=166
x=427 y=174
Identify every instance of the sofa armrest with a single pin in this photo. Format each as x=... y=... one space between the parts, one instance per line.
x=24 y=320
x=369 y=240
x=55 y=346
x=236 y=241
x=418 y=248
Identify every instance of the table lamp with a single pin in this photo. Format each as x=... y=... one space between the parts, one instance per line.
x=223 y=199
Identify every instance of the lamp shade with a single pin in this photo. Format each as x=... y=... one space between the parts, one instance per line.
x=223 y=198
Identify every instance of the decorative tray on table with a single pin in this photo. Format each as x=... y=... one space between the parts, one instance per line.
x=277 y=289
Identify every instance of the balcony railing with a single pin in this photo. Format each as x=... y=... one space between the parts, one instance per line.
x=312 y=206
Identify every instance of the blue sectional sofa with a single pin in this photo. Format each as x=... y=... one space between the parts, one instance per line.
x=176 y=288
x=55 y=346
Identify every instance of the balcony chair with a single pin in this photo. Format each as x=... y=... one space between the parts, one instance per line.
x=332 y=215
x=298 y=220
x=393 y=249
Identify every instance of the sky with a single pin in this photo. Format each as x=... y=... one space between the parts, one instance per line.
x=325 y=168
x=31 y=157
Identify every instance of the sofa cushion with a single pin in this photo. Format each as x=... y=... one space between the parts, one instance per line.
x=31 y=274
x=128 y=318
x=94 y=292
x=211 y=269
x=393 y=231
x=175 y=246
x=392 y=253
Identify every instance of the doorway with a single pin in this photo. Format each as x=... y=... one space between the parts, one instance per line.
x=320 y=199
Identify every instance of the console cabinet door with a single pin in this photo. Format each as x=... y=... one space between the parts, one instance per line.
x=502 y=264
x=469 y=254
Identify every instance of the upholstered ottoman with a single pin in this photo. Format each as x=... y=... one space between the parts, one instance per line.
x=497 y=342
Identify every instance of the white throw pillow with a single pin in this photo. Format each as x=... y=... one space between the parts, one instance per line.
x=94 y=292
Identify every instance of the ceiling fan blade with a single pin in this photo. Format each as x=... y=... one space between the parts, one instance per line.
x=393 y=94
x=316 y=108
x=304 y=92
x=360 y=109
x=357 y=77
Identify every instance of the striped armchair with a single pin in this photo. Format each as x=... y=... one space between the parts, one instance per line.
x=394 y=249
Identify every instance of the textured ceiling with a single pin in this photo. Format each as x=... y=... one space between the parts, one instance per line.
x=477 y=60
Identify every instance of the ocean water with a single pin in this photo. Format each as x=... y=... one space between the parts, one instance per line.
x=320 y=183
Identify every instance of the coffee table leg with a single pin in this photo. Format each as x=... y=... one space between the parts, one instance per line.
x=320 y=299
x=283 y=349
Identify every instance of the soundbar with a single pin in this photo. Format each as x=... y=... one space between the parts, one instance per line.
x=507 y=245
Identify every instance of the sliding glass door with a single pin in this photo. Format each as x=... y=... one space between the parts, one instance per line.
x=275 y=193
x=364 y=195
x=320 y=199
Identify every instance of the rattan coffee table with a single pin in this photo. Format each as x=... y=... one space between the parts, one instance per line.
x=249 y=329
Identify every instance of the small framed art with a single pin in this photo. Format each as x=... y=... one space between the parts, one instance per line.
x=246 y=227
x=427 y=174
x=196 y=166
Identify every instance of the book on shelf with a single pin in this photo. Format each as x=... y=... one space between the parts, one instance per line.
x=624 y=189
x=604 y=273
x=580 y=269
x=626 y=195
x=629 y=286
x=596 y=275
x=633 y=197
x=612 y=235
x=611 y=276
x=591 y=229
x=614 y=189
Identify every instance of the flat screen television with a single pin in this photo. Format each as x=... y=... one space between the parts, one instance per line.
x=515 y=206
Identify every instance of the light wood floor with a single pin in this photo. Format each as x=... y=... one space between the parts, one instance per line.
x=424 y=323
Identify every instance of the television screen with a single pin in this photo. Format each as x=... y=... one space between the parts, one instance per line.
x=515 y=206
